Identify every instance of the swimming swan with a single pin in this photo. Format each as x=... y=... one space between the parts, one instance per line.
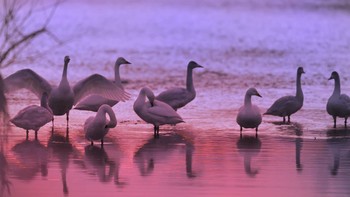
x=288 y=105
x=179 y=97
x=338 y=105
x=97 y=127
x=249 y=115
x=154 y=111
x=33 y=117
x=93 y=102
x=62 y=98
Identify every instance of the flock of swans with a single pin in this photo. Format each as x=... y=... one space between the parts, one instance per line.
x=98 y=94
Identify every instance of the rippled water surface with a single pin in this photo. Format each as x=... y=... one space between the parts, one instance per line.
x=241 y=44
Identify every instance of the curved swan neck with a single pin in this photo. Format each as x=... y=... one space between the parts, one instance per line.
x=117 y=78
x=336 y=90
x=189 y=80
x=107 y=110
x=299 y=91
x=248 y=100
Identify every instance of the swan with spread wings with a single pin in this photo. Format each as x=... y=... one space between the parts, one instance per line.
x=62 y=98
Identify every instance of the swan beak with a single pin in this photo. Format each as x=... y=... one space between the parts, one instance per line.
x=330 y=78
x=257 y=94
x=127 y=62
x=199 y=66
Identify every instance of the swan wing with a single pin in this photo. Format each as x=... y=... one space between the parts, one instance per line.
x=163 y=110
x=282 y=105
x=99 y=85
x=175 y=97
x=29 y=80
x=345 y=99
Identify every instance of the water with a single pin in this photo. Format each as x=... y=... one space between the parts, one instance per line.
x=241 y=44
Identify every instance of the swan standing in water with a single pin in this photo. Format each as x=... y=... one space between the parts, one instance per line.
x=338 y=104
x=154 y=111
x=33 y=117
x=179 y=97
x=288 y=105
x=249 y=115
x=97 y=127
x=63 y=97
x=93 y=102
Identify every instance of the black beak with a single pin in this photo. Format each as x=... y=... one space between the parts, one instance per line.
x=330 y=78
x=257 y=94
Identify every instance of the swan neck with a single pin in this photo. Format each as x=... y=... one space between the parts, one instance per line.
x=65 y=68
x=189 y=80
x=112 y=119
x=248 y=100
x=299 y=91
x=336 y=86
x=117 y=78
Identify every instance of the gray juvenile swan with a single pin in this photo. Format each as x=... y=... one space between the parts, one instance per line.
x=179 y=97
x=288 y=105
x=154 y=111
x=33 y=117
x=338 y=105
x=62 y=98
x=97 y=127
x=249 y=115
x=93 y=102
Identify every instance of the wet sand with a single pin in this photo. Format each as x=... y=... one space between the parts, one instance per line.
x=241 y=45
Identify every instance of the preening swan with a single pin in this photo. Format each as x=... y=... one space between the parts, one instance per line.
x=154 y=111
x=179 y=97
x=288 y=105
x=93 y=102
x=97 y=127
x=338 y=104
x=33 y=117
x=62 y=98
x=249 y=115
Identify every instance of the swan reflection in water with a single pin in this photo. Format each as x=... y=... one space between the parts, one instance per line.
x=4 y=181
x=60 y=147
x=105 y=166
x=249 y=147
x=338 y=144
x=157 y=149
x=31 y=157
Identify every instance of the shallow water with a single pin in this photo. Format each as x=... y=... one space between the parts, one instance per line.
x=241 y=44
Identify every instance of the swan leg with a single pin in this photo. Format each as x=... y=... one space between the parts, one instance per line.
x=27 y=132
x=284 y=119
x=102 y=143
x=288 y=119
x=67 y=117
x=240 y=131
x=335 y=122
x=155 y=131
x=346 y=121
x=92 y=143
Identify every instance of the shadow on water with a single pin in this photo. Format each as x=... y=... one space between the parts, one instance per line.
x=31 y=158
x=99 y=163
x=156 y=150
x=60 y=147
x=249 y=147
x=338 y=143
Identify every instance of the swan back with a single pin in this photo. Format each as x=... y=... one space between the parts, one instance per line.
x=249 y=115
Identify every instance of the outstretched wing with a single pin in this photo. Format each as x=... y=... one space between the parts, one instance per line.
x=98 y=85
x=29 y=80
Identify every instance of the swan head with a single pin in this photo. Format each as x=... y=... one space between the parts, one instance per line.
x=253 y=91
x=193 y=64
x=66 y=59
x=301 y=71
x=121 y=61
x=148 y=92
x=334 y=75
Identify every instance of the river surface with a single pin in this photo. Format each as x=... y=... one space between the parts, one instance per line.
x=240 y=44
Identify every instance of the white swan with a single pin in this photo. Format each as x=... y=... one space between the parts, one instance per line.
x=154 y=111
x=338 y=105
x=93 y=102
x=63 y=97
x=33 y=117
x=179 y=97
x=249 y=115
x=97 y=127
x=288 y=105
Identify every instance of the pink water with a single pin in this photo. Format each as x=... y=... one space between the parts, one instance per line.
x=241 y=44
